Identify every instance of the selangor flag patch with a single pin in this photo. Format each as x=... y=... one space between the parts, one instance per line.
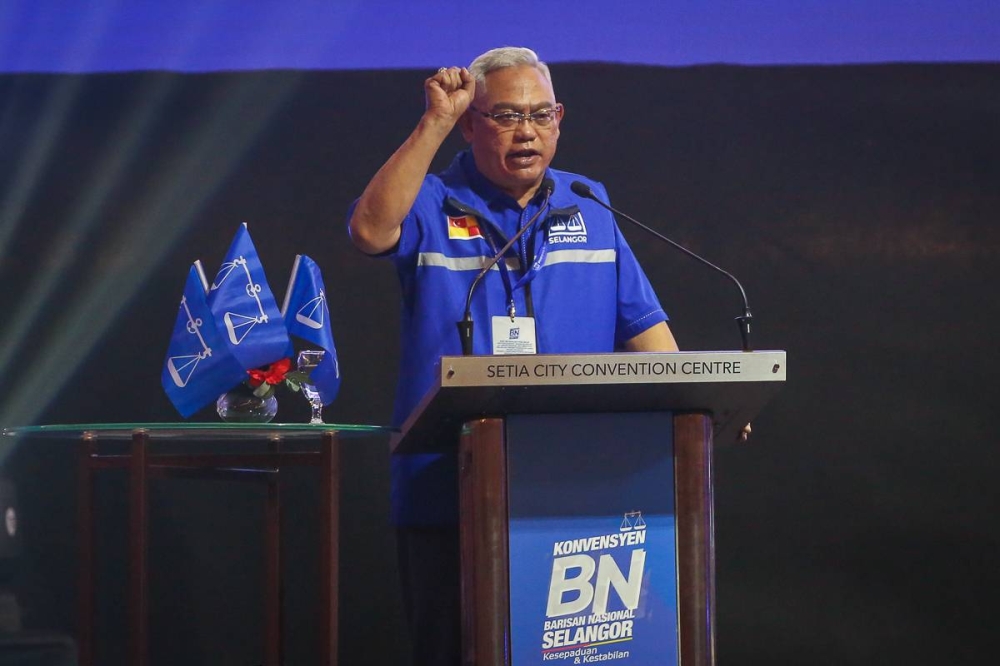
x=463 y=228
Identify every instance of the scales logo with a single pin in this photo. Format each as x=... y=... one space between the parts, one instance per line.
x=632 y=521
x=239 y=324
x=311 y=314
x=181 y=367
x=564 y=229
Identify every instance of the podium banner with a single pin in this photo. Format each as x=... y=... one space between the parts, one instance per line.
x=592 y=560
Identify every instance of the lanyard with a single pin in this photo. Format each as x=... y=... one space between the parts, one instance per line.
x=529 y=274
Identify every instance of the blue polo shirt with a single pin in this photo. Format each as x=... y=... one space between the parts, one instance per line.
x=574 y=269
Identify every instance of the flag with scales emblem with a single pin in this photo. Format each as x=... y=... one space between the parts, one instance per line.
x=307 y=316
x=199 y=365
x=245 y=309
x=234 y=326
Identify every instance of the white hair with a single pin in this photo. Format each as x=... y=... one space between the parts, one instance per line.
x=505 y=56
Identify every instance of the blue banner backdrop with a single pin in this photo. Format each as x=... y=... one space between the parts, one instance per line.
x=592 y=540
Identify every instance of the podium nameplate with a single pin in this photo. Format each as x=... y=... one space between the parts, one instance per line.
x=731 y=386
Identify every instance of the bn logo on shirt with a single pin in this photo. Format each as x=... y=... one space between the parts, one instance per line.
x=570 y=229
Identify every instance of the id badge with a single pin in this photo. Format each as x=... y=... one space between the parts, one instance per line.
x=514 y=335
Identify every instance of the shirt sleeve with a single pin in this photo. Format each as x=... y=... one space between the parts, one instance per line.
x=408 y=246
x=638 y=307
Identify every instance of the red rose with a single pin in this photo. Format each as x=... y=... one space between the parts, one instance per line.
x=273 y=374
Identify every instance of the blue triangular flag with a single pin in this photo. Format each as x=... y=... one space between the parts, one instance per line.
x=307 y=316
x=198 y=366
x=245 y=309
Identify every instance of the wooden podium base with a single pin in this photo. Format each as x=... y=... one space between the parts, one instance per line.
x=485 y=541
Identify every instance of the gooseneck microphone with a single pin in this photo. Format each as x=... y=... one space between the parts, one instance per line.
x=465 y=326
x=583 y=190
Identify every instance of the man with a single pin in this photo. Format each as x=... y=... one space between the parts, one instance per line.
x=571 y=275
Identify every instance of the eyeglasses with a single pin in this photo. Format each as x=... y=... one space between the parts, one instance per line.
x=511 y=119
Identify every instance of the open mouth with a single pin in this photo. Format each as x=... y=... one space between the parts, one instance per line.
x=523 y=157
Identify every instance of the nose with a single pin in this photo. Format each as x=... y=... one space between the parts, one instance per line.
x=525 y=131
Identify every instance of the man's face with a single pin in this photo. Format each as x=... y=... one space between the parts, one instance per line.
x=514 y=159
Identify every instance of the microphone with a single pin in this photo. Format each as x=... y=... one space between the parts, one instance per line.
x=583 y=190
x=465 y=326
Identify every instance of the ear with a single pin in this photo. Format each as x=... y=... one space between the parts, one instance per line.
x=465 y=124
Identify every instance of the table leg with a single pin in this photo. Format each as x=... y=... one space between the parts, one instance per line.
x=329 y=555
x=138 y=532
x=273 y=644
x=85 y=528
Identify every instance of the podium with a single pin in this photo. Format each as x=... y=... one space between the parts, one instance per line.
x=585 y=485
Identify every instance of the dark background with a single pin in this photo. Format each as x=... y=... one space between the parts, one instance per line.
x=857 y=204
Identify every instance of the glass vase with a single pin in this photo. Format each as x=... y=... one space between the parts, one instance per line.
x=240 y=405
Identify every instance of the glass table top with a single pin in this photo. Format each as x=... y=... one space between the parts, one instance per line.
x=191 y=430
